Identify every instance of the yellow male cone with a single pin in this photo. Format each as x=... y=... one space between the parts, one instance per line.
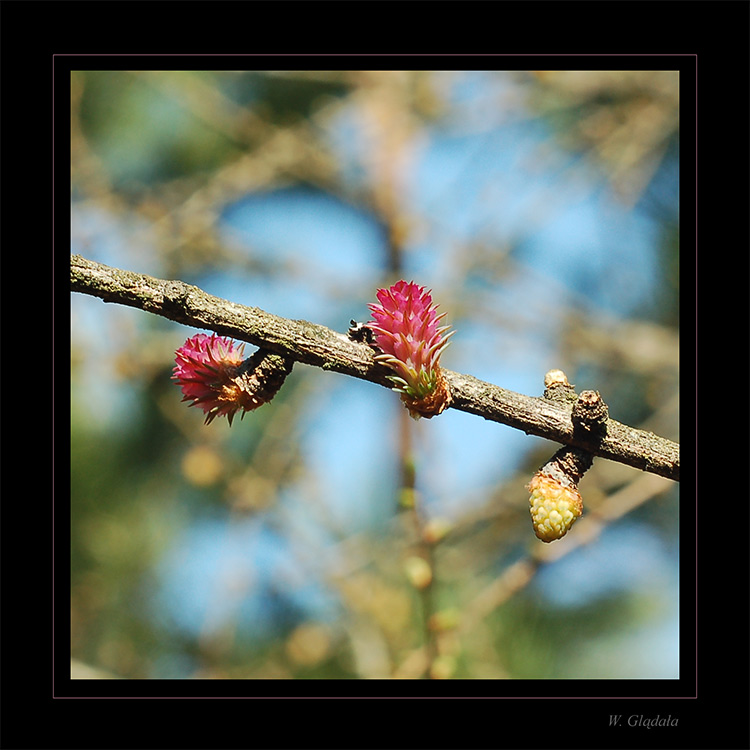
x=554 y=507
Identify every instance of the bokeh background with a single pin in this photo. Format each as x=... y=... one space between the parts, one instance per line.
x=327 y=535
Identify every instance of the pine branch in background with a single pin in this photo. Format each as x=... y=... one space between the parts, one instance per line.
x=316 y=345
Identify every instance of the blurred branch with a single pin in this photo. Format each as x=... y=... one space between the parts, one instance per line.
x=518 y=575
x=322 y=347
x=81 y=671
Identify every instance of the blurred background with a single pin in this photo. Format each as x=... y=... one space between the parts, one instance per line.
x=327 y=535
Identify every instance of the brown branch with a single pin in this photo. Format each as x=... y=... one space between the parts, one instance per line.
x=322 y=347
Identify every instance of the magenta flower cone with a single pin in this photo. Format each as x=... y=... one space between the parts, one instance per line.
x=407 y=330
x=206 y=370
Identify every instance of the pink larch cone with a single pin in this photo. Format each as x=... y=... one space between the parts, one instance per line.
x=406 y=329
x=212 y=375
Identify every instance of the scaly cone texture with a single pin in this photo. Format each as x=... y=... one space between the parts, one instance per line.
x=212 y=375
x=555 y=505
x=406 y=329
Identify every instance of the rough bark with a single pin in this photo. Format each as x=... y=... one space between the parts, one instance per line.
x=322 y=347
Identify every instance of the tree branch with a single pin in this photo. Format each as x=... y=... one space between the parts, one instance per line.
x=322 y=347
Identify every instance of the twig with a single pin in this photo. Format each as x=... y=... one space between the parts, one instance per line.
x=322 y=347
